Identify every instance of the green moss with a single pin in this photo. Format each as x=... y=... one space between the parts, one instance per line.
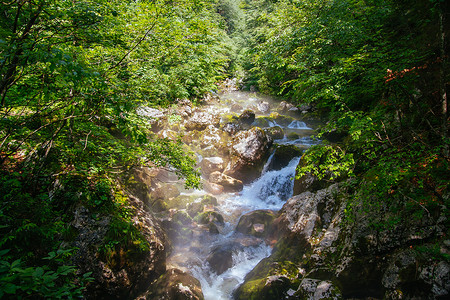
x=293 y=136
x=250 y=289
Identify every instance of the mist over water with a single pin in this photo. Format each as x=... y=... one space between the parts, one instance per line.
x=269 y=191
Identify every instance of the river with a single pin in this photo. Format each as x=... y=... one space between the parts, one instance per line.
x=235 y=254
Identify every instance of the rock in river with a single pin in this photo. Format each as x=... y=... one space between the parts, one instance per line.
x=248 y=150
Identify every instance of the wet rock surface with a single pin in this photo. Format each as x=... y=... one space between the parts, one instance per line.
x=257 y=223
x=249 y=149
x=175 y=284
x=323 y=256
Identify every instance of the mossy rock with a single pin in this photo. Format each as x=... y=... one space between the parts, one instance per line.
x=283 y=155
x=256 y=223
x=293 y=135
x=261 y=122
x=181 y=218
x=209 y=200
x=180 y=202
x=197 y=206
x=267 y=288
x=281 y=119
x=275 y=132
x=210 y=216
x=158 y=205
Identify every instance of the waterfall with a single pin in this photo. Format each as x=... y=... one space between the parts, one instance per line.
x=298 y=125
x=270 y=191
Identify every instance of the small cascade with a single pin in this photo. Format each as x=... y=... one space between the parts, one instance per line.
x=273 y=123
x=269 y=161
x=270 y=191
x=298 y=125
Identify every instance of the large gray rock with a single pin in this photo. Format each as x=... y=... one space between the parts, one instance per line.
x=200 y=120
x=249 y=149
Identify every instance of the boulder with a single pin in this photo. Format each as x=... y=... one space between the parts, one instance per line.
x=249 y=149
x=263 y=107
x=283 y=156
x=210 y=217
x=214 y=137
x=175 y=284
x=200 y=120
x=262 y=122
x=281 y=120
x=229 y=183
x=221 y=257
x=213 y=188
x=276 y=132
x=232 y=127
x=257 y=223
x=247 y=118
x=212 y=164
x=199 y=205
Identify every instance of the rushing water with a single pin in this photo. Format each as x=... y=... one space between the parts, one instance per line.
x=269 y=191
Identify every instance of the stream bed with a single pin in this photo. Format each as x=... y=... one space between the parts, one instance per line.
x=214 y=252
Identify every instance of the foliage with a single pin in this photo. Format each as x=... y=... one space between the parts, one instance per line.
x=72 y=75
x=374 y=67
x=53 y=280
x=326 y=162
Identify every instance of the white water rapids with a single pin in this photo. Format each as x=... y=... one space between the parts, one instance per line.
x=270 y=191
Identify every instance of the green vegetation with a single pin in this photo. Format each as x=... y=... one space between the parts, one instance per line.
x=72 y=74
x=378 y=70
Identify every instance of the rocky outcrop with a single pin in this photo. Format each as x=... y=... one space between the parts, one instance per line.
x=122 y=270
x=248 y=152
x=320 y=254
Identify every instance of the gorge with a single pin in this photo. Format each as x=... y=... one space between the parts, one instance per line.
x=224 y=149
